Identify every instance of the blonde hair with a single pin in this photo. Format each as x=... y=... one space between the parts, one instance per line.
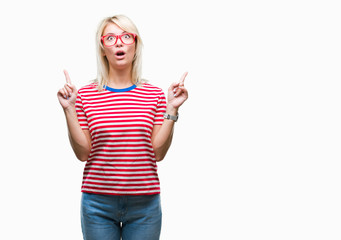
x=102 y=62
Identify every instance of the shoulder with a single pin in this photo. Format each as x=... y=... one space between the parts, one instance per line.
x=88 y=89
x=149 y=88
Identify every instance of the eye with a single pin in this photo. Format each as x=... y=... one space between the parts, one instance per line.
x=127 y=36
x=110 y=38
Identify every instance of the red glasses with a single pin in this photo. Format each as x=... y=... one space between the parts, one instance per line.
x=111 y=39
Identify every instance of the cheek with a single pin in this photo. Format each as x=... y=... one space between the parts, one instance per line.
x=131 y=50
x=107 y=52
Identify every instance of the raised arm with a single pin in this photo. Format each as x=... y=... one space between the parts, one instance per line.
x=80 y=140
x=162 y=134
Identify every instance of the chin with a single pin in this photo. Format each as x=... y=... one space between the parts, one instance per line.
x=122 y=64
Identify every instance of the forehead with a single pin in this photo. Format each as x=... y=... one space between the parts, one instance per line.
x=112 y=28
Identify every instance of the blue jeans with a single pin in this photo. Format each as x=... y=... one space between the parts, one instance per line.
x=107 y=217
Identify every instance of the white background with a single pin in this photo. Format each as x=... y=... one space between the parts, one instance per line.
x=256 y=152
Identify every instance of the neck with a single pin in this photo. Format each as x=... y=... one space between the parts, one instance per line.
x=120 y=78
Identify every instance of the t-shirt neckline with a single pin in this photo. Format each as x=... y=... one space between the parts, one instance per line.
x=119 y=90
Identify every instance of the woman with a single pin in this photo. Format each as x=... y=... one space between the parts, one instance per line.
x=120 y=126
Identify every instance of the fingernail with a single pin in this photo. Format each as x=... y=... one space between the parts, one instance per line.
x=174 y=89
x=64 y=96
x=175 y=95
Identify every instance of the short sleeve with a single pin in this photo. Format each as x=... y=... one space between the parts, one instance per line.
x=160 y=109
x=82 y=119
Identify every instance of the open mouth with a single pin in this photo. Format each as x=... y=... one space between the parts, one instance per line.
x=120 y=53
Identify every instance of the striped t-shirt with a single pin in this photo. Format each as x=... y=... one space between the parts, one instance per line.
x=120 y=121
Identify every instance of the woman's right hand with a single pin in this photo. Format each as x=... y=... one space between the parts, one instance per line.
x=68 y=94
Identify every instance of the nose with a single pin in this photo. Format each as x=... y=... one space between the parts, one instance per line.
x=119 y=42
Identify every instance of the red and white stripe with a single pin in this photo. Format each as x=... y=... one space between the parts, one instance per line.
x=122 y=160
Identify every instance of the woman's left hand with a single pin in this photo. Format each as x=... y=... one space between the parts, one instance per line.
x=177 y=93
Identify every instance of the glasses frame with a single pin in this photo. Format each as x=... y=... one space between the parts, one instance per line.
x=117 y=37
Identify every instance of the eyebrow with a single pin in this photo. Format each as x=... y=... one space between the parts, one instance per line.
x=114 y=33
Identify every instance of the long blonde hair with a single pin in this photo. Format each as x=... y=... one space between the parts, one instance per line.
x=102 y=62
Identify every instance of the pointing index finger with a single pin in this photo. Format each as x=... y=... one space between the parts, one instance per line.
x=182 y=80
x=68 y=80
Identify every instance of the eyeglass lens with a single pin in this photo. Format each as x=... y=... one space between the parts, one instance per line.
x=110 y=40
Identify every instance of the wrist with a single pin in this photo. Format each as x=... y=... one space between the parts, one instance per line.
x=171 y=110
x=69 y=109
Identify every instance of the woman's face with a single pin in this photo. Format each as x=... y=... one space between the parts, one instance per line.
x=119 y=55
